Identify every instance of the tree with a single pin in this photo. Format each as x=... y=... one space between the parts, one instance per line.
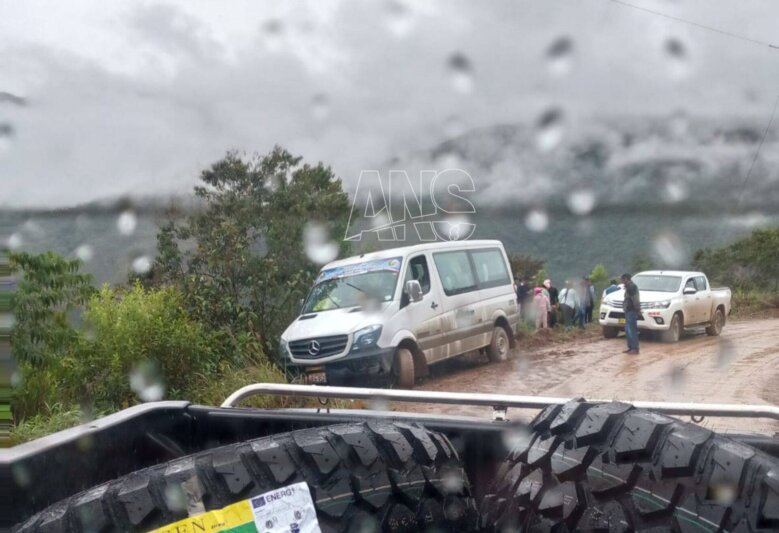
x=241 y=262
x=599 y=277
x=526 y=266
x=749 y=263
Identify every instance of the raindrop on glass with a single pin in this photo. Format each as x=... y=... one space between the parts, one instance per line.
x=550 y=129
x=272 y=31
x=15 y=241
x=21 y=475
x=537 y=220
x=146 y=382
x=452 y=481
x=675 y=191
x=85 y=253
x=678 y=57
x=559 y=56
x=176 y=498
x=398 y=18
x=378 y=404
x=669 y=249
x=319 y=247
x=126 y=223
x=320 y=107
x=453 y=126
x=581 y=202
x=677 y=379
x=460 y=72
x=722 y=493
x=142 y=264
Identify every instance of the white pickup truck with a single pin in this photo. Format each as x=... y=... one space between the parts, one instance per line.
x=670 y=302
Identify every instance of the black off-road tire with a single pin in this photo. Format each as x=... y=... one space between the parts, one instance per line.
x=610 y=467
x=498 y=349
x=717 y=323
x=403 y=369
x=374 y=476
x=610 y=332
x=675 y=329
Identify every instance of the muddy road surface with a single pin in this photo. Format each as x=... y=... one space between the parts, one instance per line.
x=741 y=366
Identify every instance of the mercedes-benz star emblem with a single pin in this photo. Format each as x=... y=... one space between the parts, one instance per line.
x=313 y=347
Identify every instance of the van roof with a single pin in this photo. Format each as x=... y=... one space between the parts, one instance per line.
x=406 y=250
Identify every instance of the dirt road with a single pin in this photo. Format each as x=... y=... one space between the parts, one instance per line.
x=741 y=366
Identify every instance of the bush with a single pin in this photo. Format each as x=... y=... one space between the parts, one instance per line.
x=526 y=266
x=749 y=263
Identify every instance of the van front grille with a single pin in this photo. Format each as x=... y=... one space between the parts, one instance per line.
x=318 y=347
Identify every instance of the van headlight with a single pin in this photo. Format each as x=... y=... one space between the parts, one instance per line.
x=366 y=337
x=665 y=304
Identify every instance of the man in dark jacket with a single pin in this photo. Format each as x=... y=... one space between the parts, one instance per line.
x=631 y=305
x=552 y=290
x=524 y=297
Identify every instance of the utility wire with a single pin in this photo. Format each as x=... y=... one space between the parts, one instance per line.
x=696 y=24
x=759 y=147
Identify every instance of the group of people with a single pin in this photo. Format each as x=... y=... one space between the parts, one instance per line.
x=547 y=306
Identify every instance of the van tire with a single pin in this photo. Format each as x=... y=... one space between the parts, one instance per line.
x=611 y=467
x=403 y=369
x=674 y=331
x=610 y=332
x=375 y=474
x=498 y=349
x=717 y=322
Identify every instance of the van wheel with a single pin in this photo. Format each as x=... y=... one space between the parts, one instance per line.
x=403 y=369
x=715 y=328
x=610 y=332
x=498 y=350
x=674 y=332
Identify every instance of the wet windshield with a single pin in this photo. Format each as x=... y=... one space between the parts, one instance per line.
x=658 y=283
x=354 y=285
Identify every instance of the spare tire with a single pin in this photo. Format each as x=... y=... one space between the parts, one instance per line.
x=610 y=467
x=373 y=476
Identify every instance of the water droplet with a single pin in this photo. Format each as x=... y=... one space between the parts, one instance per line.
x=722 y=493
x=677 y=379
x=452 y=481
x=146 y=382
x=537 y=220
x=678 y=57
x=15 y=241
x=726 y=352
x=453 y=126
x=126 y=223
x=320 y=107
x=142 y=264
x=85 y=253
x=581 y=202
x=399 y=20
x=319 y=247
x=559 y=56
x=176 y=498
x=33 y=229
x=21 y=475
x=550 y=129
x=273 y=34
x=669 y=249
x=516 y=437
x=7 y=322
x=379 y=404
x=675 y=191
x=679 y=124
x=461 y=72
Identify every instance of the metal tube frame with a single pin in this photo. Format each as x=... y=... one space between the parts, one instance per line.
x=499 y=402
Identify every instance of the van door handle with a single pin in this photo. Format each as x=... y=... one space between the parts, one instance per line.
x=433 y=305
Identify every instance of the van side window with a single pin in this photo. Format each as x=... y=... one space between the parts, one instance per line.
x=454 y=269
x=700 y=283
x=490 y=268
x=417 y=269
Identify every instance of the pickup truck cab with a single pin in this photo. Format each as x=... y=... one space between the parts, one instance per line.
x=670 y=301
x=389 y=314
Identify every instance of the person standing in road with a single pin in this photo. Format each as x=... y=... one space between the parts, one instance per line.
x=589 y=299
x=553 y=302
x=631 y=305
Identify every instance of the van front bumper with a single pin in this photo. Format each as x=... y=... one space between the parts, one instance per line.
x=649 y=319
x=372 y=362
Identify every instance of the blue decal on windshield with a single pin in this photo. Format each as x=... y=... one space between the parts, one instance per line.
x=389 y=265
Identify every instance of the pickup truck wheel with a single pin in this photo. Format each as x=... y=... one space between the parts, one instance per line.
x=369 y=476
x=403 y=369
x=674 y=331
x=610 y=467
x=610 y=332
x=715 y=328
x=498 y=350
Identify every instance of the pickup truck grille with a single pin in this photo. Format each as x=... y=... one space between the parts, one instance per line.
x=618 y=304
x=316 y=348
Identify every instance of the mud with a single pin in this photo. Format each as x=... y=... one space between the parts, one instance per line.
x=741 y=366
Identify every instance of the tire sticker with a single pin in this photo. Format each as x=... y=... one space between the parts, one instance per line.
x=288 y=509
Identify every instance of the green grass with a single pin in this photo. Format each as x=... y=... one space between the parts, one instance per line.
x=754 y=304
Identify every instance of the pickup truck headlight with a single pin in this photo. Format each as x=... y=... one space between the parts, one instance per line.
x=665 y=304
x=366 y=337
x=283 y=350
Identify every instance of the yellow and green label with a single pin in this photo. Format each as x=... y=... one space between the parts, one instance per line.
x=237 y=518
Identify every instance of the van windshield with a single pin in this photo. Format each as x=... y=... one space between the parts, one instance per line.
x=354 y=285
x=658 y=283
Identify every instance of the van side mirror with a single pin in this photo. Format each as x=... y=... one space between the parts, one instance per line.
x=690 y=290
x=414 y=290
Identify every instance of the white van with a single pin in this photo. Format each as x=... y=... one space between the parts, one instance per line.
x=392 y=313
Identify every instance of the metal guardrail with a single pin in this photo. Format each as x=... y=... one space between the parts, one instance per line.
x=499 y=402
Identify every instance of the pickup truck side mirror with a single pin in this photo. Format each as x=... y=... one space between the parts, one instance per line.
x=414 y=290
x=689 y=290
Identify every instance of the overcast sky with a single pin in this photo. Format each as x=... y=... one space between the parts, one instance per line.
x=128 y=97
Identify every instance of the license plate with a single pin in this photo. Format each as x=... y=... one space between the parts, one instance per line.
x=316 y=378
x=621 y=321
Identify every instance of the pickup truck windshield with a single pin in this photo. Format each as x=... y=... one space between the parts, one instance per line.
x=658 y=283
x=354 y=285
